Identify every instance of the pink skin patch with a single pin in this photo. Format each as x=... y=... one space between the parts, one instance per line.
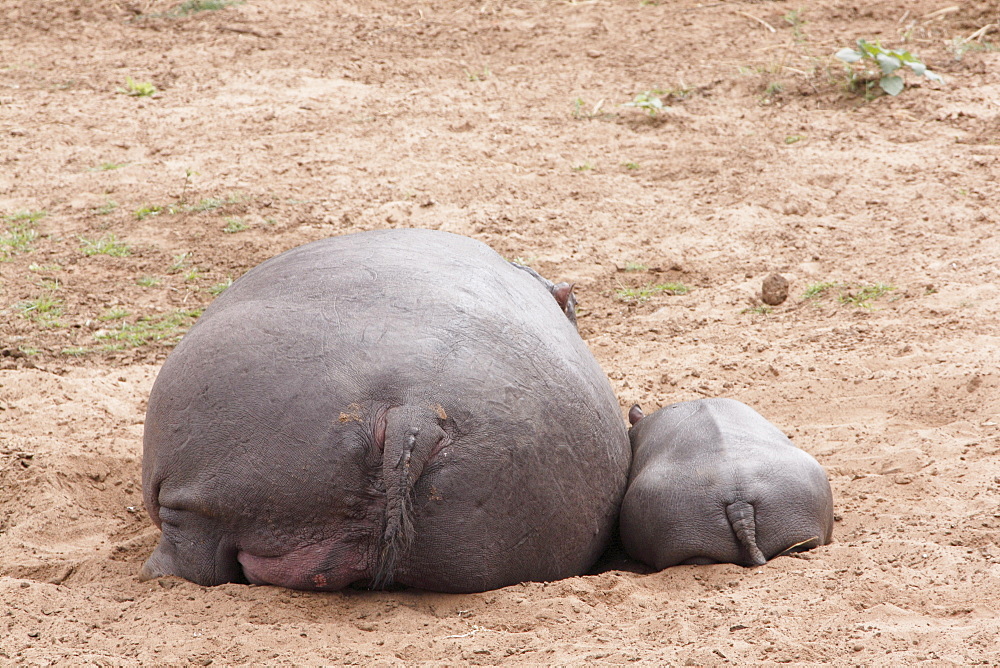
x=300 y=569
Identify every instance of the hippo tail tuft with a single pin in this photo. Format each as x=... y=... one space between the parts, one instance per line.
x=412 y=438
x=744 y=525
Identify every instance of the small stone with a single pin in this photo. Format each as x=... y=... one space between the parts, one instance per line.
x=774 y=290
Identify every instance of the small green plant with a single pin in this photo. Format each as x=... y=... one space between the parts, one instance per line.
x=888 y=62
x=630 y=165
x=758 y=310
x=138 y=88
x=148 y=281
x=45 y=268
x=18 y=238
x=44 y=309
x=106 y=208
x=635 y=266
x=219 y=288
x=74 y=352
x=581 y=112
x=856 y=295
x=25 y=216
x=962 y=45
x=864 y=295
x=108 y=166
x=794 y=19
x=181 y=261
x=585 y=167
x=793 y=139
x=817 y=290
x=106 y=245
x=234 y=225
x=645 y=293
x=525 y=261
x=192 y=274
x=192 y=6
x=148 y=329
x=113 y=314
x=481 y=75
x=188 y=175
x=649 y=101
x=147 y=210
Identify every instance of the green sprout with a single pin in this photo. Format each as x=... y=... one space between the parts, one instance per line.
x=137 y=88
x=106 y=245
x=888 y=61
x=234 y=225
x=645 y=293
x=649 y=101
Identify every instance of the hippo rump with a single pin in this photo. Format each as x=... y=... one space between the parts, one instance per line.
x=713 y=481
x=396 y=406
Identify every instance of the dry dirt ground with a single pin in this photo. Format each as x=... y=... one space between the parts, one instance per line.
x=277 y=123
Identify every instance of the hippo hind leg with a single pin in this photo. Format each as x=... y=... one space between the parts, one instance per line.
x=205 y=562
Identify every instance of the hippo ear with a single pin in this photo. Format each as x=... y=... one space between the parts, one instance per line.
x=563 y=292
x=635 y=414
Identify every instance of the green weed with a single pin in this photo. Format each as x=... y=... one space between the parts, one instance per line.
x=581 y=111
x=18 y=237
x=148 y=329
x=864 y=295
x=113 y=314
x=44 y=268
x=585 y=167
x=651 y=101
x=148 y=281
x=106 y=245
x=74 y=352
x=635 y=266
x=758 y=310
x=817 y=290
x=794 y=19
x=872 y=60
x=193 y=6
x=108 y=166
x=219 y=288
x=234 y=225
x=960 y=46
x=147 y=210
x=482 y=75
x=645 y=293
x=22 y=216
x=181 y=261
x=106 y=208
x=630 y=165
x=137 y=88
x=44 y=309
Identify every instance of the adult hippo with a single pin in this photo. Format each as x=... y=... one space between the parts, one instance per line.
x=397 y=406
x=713 y=481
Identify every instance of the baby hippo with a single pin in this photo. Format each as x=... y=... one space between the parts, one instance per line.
x=713 y=481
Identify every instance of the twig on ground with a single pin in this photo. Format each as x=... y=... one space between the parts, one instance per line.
x=760 y=21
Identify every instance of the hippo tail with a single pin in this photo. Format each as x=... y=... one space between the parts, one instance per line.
x=741 y=519
x=412 y=438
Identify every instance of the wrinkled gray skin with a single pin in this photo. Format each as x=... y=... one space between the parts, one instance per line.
x=399 y=406
x=713 y=481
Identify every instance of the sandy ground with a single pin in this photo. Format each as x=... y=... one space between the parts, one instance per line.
x=277 y=123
